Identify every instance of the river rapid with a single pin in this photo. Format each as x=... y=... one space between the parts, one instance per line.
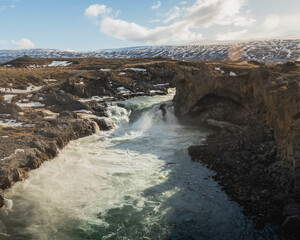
x=136 y=181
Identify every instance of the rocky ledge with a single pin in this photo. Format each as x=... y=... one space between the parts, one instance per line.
x=255 y=151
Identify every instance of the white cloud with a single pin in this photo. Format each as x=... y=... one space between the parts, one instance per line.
x=96 y=10
x=244 y=21
x=173 y=14
x=189 y=20
x=231 y=35
x=156 y=5
x=154 y=21
x=135 y=33
x=23 y=43
x=3 y=42
x=287 y=22
x=271 y=21
x=278 y=25
x=183 y=2
x=282 y=22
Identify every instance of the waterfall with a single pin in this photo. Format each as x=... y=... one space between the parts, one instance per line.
x=135 y=181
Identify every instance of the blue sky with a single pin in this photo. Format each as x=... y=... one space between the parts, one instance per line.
x=90 y=24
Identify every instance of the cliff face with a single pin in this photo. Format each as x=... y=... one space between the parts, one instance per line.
x=247 y=96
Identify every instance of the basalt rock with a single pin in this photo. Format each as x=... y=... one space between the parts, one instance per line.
x=263 y=96
x=256 y=114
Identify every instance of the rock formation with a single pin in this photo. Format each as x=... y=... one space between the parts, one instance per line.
x=257 y=112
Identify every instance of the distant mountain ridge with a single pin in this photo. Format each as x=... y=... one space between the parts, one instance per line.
x=276 y=50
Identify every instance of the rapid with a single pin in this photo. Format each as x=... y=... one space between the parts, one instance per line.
x=136 y=181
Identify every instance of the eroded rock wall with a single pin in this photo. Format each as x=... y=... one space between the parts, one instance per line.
x=267 y=96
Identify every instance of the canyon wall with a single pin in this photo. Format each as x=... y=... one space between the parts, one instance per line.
x=239 y=96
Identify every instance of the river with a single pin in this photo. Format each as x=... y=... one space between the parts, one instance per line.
x=136 y=181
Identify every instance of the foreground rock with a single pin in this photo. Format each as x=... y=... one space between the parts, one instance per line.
x=256 y=151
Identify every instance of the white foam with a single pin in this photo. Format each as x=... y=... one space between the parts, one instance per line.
x=94 y=180
x=157 y=91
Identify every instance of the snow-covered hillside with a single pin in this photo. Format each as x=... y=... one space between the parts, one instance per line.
x=267 y=51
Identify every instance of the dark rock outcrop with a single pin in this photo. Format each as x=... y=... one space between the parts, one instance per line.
x=256 y=152
x=43 y=144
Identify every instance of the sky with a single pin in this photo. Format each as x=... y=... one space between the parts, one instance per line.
x=83 y=25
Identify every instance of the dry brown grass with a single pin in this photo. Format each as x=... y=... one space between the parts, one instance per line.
x=21 y=75
x=20 y=133
x=89 y=68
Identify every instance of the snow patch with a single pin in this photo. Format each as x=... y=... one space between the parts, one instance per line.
x=105 y=69
x=29 y=89
x=96 y=98
x=137 y=69
x=219 y=69
x=123 y=90
x=50 y=80
x=60 y=64
x=83 y=111
x=8 y=97
x=232 y=74
x=19 y=151
x=10 y=123
x=34 y=66
x=30 y=105
x=162 y=85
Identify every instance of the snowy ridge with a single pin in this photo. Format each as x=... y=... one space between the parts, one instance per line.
x=262 y=50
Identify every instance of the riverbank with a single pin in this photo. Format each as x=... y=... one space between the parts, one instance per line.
x=46 y=103
x=127 y=183
x=255 y=152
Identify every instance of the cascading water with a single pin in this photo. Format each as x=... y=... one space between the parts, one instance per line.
x=134 y=182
